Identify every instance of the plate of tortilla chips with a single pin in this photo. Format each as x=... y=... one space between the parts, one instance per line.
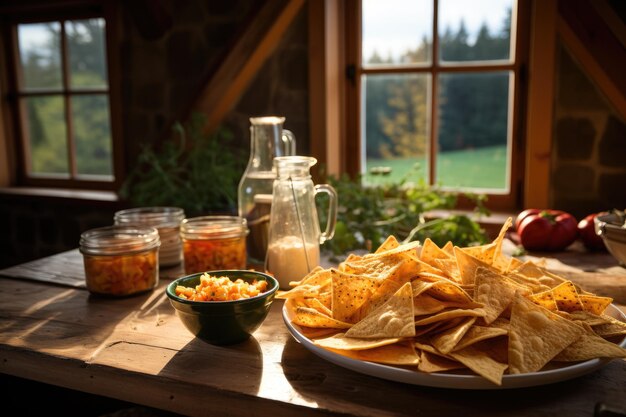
x=468 y=318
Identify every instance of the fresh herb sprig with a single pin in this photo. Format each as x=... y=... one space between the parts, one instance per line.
x=190 y=170
x=368 y=214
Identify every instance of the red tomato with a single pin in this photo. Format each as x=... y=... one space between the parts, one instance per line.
x=546 y=230
x=587 y=232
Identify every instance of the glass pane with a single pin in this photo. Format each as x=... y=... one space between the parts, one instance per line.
x=92 y=134
x=46 y=134
x=86 y=46
x=476 y=30
x=473 y=140
x=395 y=129
x=40 y=54
x=397 y=31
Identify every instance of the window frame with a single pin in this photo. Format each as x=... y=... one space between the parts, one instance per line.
x=14 y=116
x=354 y=72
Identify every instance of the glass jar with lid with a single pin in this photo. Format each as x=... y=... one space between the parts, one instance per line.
x=214 y=242
x=120 y=260
x=167 y=222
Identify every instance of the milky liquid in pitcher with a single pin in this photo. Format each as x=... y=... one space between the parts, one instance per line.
x=287 y=260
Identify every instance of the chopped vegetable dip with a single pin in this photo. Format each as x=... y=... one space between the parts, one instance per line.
x=213 y=288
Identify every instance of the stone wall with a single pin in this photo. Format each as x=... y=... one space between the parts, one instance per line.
x=589 y=157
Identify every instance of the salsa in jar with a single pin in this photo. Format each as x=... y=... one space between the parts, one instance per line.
x=214 y=242
x=120 y=260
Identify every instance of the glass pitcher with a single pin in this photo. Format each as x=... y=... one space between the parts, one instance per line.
x=294 y=236
x=268 y=140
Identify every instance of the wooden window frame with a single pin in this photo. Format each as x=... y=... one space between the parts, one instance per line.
x=510 y=201
x=15 y=141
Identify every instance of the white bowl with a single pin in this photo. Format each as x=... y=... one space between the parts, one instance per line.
x=613 y=232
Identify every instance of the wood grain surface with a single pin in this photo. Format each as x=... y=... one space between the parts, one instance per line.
x=136 y=349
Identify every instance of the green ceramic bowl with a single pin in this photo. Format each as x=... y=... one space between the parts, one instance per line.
x=223 y=322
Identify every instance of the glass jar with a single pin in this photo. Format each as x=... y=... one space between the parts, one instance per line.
x=268 y=140
x=214 y=242
x=120 y=260
x=167 y=222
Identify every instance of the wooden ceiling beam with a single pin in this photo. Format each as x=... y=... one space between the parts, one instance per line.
x=594 y=46
x=246 y=57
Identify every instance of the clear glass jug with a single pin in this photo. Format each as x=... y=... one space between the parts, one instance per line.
x=268 y=140
x=294 y=235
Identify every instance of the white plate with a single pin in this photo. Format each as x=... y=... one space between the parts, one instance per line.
x=451 y=380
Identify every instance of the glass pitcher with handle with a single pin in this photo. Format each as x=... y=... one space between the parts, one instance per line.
x=268 y=140
x=294 y=231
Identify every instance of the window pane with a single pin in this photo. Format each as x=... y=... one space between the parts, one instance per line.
x=397 y=31
x=473 y=144
x=475 y=30
x=92 y=133
x=40 y=54
x=395 y=131
x=46 y=134
x=86 y=46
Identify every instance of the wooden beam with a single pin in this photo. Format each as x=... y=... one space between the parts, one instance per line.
x=326 y=84
x=540 y=119
x=246 y=57
x=613 y=87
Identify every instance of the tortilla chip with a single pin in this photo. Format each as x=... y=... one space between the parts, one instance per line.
x=499 y=261
x=310 y=317
x=590 y=346
x=611 y=329
x=513 y=264
x=537 y=335
x=317 y=305
x=425 y=304
x=595 y=304
x=393 y=319
x=494 y=292
x=430 y=252
x=484 y=253
x=390 y=243
x=406 y=249
x=301 y=291
x=448 y=248
x=447 y=340
x=377 y=267
x=316 y=333
x=402 y=354
x=480 y=363
x=317 y=276
x=429 y=328
x=467 y=265
x=566 y=297
x=450 y=314
x=447 y=290
x=339 y=341
x=430 y=362
x=393 y=280
x=349 y=292
x=545 y=299
x=587 y=317
x=476 y=334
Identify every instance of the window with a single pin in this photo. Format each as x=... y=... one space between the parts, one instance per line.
x=438 y=90
x=60 y=100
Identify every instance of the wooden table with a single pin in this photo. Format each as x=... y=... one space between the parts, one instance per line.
x=136 y=349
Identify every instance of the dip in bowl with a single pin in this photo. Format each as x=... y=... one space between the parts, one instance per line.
x=223 y=322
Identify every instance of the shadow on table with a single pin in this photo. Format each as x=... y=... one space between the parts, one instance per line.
x=314 y=378
x=202 y=363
